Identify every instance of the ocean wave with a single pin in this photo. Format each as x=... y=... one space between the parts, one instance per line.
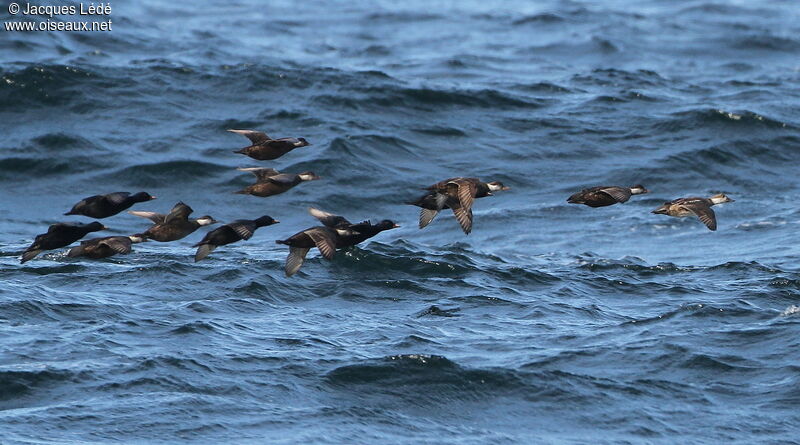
x=398 y=372
x=159 y=173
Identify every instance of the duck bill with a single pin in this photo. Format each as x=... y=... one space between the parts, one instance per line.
x=505 y=187
x=660 y=211
x=396 y=226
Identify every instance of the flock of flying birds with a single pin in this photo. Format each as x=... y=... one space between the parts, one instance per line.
x=336 y=232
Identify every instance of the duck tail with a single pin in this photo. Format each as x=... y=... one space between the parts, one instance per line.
x=241 y=151
x=282 y=241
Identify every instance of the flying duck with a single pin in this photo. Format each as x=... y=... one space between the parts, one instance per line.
x=605 y=195
x=265 y=148
x=103 y=206
x=174 y=225
x=700 y=207
x=241 y=229
x=59 y=235
x=337 y=232
x=457 y=194
x=97 y=248
x=272 y=182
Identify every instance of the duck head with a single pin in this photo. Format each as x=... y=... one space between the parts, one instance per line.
x=496 y=186
x=302 y=142
x=142 y=197
x=265 y=220
x=639 y=189
x=206 y=220
x=138 y=238
x=308 y=176
x=720 y=198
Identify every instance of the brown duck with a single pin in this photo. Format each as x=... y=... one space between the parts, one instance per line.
x=272 y=182
x=97 y=248
x=700 y=207
x=174 y=225
x=606 y=195
x=265 y=148
x=457 y=194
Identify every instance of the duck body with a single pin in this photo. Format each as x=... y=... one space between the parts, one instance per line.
x=241 y=229
x=59 y=235
x=271 y=182
x=97 y=248
x=603 y=196
x=694 y=206
x=264 y=148
x=457 y=194
x=173 y=226
x=103 y=206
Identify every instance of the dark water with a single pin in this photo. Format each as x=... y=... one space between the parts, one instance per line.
x=550 y=323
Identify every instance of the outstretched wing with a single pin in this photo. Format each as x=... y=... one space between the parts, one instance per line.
x=180 y=212
x=426 y=215
x=119 y=244
x=329 y=219
x=295 y=259
x=619 y=194
x=157 y=218
x=325 y=239
x=244 y=229
x=704 y=212
x=464 y=190
x=262 y=174
x=256 y=137
x=464 y=218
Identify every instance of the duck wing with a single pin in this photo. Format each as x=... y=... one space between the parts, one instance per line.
x=180 y=212
x=243 y=228
x=464 y=193
x=295 y=260
x=703 y=211
x=620 y=194
x=262 y=174
x=157 y=218
x=282 y=179
x=329 y=219
x=325 y=239
x=427 y=215
x=256 y=137
x=119 y=244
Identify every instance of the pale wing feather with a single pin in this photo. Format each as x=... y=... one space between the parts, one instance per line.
x=704 y=212
x=325 y=241
x=618 y=193
x=295 y=260
x=244 y=230
x=256 y=137
x=157 y=218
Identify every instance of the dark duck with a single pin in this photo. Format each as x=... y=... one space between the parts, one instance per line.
x=606 y=195
x=457 y=194
x=699 y=207
x=264 y=148
x=103 y=206
x=336 y=232
x=97 y=248
x=174 y=225
x=241 y=229
x=59 y=235
x=271 y=182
